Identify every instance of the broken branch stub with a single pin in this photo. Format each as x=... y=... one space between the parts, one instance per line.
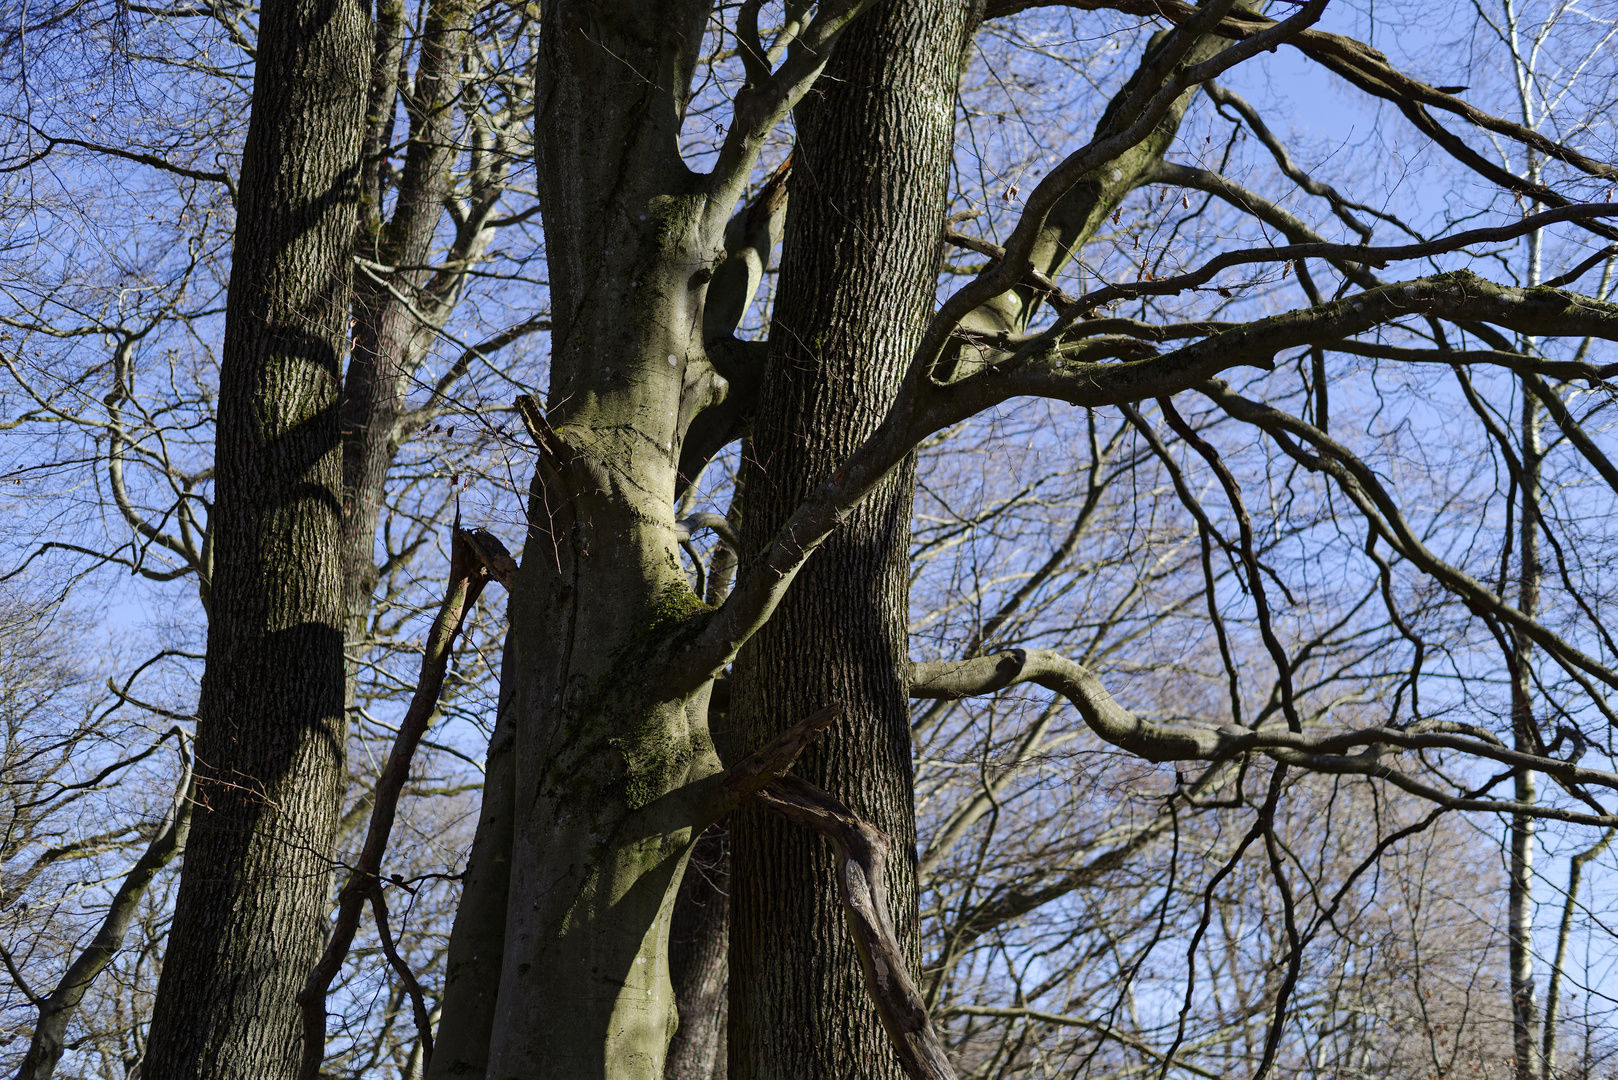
x=476 y=557
x=862 y=855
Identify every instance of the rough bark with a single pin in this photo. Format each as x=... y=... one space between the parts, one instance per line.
x=271 y=730
x=869 y=176
x=390 y=337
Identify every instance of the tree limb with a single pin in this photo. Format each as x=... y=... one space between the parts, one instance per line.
x=477 y=557
x=1191 y=740
x=862 y=853
x=56 y=1010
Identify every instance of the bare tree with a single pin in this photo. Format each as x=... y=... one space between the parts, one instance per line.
x=1295 y=557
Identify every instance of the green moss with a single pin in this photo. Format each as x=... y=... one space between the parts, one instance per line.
x=675 y=606
x=657 y=749
x=656 y=753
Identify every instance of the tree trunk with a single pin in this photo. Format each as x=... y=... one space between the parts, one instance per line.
x=699 y=962
x=610 y=656
x=389 y=337
x=869 y=176
x=271 y=730
x=603 y=724
x=1526 y=1035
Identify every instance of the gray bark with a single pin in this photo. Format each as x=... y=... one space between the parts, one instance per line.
x=1526 y=1036
x=271 y=730
x=610 y=756
x=389 y=337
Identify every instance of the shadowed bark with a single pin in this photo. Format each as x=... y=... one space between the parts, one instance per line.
x=271 y=730
x=699 y=962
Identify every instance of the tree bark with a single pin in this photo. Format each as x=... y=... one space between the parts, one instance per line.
x=271 y=729
x=600 y=729
x=869 y=177
x=699 y=955
x=1526 y=1034
x=390 y=338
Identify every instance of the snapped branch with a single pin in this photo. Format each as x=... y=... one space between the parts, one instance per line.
x=862 y=855
x=477 y=557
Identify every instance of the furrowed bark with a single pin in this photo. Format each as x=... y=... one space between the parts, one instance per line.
x=862 y=855
x=869 y=176
x=477 y=557
x=271 y=727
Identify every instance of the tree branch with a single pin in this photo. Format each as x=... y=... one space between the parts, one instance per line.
x=862 y=853
x=56 y=1011
x=1192 y=741
x=477 y=557
x=1361 y=65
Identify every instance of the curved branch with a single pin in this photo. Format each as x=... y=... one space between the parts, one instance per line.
x=1362 y=485
x=477 y=558
x=766 y=98
x=862 y=854
x=1191 y=741
x=56 y=1011
x=1354 y=61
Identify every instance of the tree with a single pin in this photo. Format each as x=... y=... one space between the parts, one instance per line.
x=271 y=724
x=870 y=169
x=581 y=515
x=272 y=809
x=602 y=770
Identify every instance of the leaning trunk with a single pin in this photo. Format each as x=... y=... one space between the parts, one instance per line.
x=271 y=729
x=869 y=176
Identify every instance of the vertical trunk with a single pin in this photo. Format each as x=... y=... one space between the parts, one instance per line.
x=271 y=731
x=869 y=176
x=601 y=609
x=699 y=962
x=1520 y=916
x=389 y=338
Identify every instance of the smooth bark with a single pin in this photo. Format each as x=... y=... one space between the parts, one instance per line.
x=699 y=962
